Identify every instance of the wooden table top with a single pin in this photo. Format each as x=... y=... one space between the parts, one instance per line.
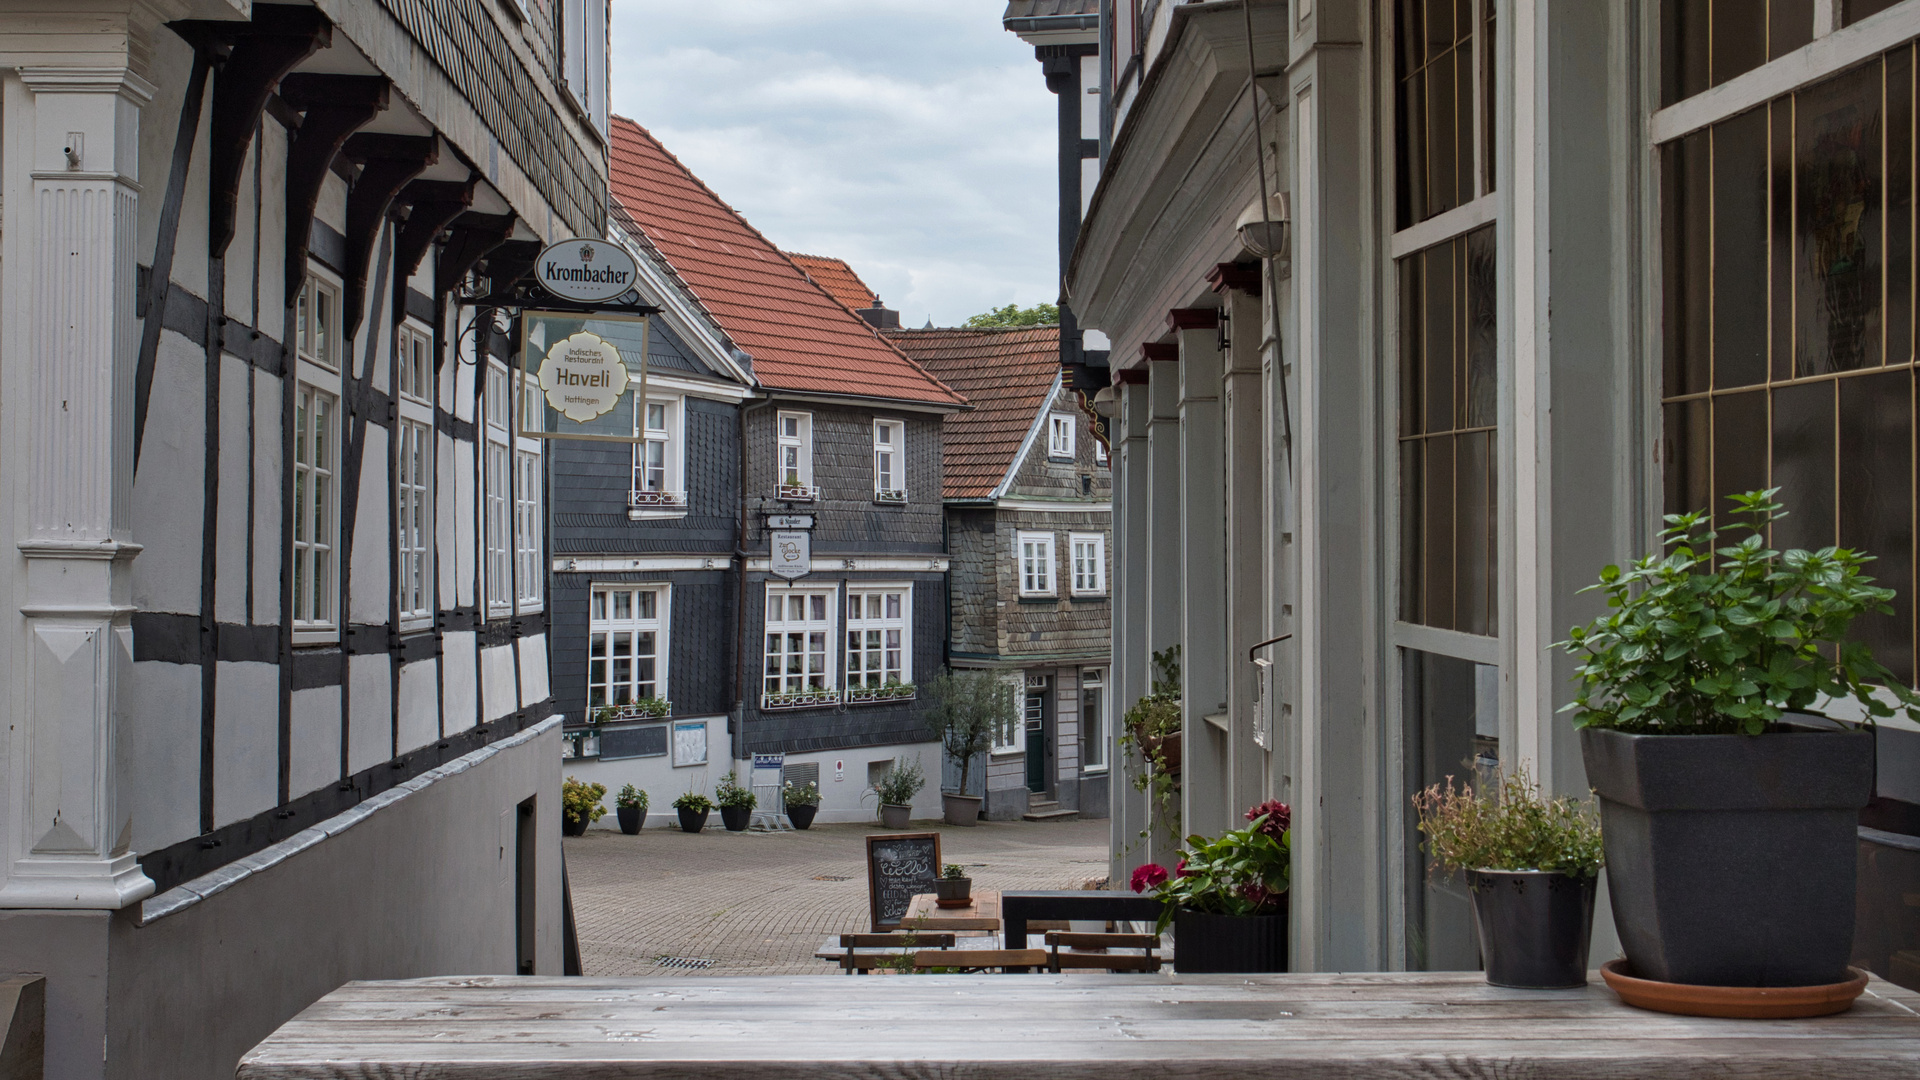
x=1080 y=1027
x=924 y=913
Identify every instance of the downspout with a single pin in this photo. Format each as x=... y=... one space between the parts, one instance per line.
x=737 y=719
x=1266 y=226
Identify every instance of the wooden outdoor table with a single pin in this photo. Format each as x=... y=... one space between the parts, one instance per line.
x=923 y=913
x=1079 y=1027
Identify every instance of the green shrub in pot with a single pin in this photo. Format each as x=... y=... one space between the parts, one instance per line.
x=1729 y=806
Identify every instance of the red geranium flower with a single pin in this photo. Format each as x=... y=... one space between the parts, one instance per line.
x=1148 y=876
x=1181 y=869
x=1279 y=817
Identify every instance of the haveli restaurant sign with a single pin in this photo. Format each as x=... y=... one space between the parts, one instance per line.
x=586 y=271
x=583 y=376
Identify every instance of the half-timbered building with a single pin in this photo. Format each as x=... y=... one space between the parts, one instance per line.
x=275 y=666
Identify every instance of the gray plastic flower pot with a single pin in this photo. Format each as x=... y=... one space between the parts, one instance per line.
x=1731 y=858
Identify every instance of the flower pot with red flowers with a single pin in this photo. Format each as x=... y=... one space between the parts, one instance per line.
x=1227 y=897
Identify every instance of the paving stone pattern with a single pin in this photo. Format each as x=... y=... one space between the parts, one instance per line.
x=761 y=903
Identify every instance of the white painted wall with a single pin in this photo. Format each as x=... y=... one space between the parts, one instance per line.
x=845 y=796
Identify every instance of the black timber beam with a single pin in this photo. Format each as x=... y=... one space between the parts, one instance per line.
x=387 y=164
x=431 y=207
x=473 y=235
x=333 y=108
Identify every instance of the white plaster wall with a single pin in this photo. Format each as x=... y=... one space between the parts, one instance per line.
x=464 y=558
x=246 y=741
x=446 y=558
x=369 y=601
x=231 y=520
x=332 y=207
x=267 y=537
x=419 y=705
x=273 y=227
x=459 y=651
x=166 y=575
x=162 y=797
x=240 y=276
x=370 y=711
x=844 y=796
x=313 y=746
x=533 y=670
x=497 y=694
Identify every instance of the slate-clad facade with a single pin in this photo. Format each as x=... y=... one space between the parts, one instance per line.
x=277 y=703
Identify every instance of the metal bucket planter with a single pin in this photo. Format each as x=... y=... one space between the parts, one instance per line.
x=1731 y=858
x=1534 y=927
x=631 y=819
x=1229 y=943
x=961 y=809
x=895 y=816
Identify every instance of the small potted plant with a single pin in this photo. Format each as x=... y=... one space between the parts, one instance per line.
x=1227 y=897
x=969 y=708
x=953 y=888
x=1531 y=866
x=693 y=808
x=736 y=803
x=896 y=789
x=1729 y=811
x=802 y=802
x=580 y=805
x=631 y=806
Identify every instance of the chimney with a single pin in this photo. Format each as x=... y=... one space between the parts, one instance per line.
x=879 y=316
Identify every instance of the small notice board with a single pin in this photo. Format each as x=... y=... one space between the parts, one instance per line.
x=898 y=866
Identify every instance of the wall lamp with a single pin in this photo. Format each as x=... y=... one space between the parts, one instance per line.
x=1266 y=236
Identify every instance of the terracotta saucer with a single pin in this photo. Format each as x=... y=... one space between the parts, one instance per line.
x=968 y=902
x=1737 y=1002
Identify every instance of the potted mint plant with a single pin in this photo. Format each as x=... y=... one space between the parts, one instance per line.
x=1531 y=865
x=1729 y=809
x=1227 y=897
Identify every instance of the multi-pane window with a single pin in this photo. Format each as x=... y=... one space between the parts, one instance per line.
x=316 y=448
x=413 y=473
x=1447 y=326
x=877 y=636
x=1089 y=563
x=889 y=460
x=1789 y=276
x=1010 y=737
x=1035 y=551
x=794 y=445
x=656 y=458
x=497 y=466
x=527 y=521
x=1093 y=720
x=413 y=357
x=1060 y=436
x=799 y=659
x=626 y=645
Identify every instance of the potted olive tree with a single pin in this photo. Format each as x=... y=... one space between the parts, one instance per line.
x=1227 y=897
x=1729 y=809
x=802 y=802
x=1532 y=865
x=969 y=708
x=631 y=806
x=580 y=805
x=736 y=803
x=693 y=808
x=896 y=789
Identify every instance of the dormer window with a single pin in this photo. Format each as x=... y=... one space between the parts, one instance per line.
x=889 y=461
x=1060 y=436
x=795 y=462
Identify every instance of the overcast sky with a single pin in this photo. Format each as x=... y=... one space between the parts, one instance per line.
x=912 y=138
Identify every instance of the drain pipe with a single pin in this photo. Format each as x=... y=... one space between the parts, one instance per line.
x=737 y=719
x=1267 y=223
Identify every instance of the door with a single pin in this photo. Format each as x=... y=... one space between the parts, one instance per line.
x=1037 y=718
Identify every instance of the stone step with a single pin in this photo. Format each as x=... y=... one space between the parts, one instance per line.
x=1055 y=814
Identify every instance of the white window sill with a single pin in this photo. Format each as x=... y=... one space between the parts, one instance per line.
x=656 y=515
x=1094 y=770
x=1006 y=751
x=1102 y=595
x=329 y=635
x=415 y=624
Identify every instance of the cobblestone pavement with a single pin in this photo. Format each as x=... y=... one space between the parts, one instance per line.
x=761 y=903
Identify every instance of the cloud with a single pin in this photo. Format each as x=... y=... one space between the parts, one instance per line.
x=913 y=139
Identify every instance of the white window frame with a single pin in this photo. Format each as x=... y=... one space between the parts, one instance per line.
x=1012 y=736
x=413 y=507
x=823 y=620
x=799 y=448
x=1089 y=572
x=1100 y=455
x=1036 y=567
x=1060 y=436
x=602 y=619
x=868 y=634
x=669 y=500
x=496 y=449
x=529 y=508
x=1094 y=722
x=314 y=547
x=889 y=461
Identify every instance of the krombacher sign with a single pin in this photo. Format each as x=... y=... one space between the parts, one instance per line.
x=586 y=271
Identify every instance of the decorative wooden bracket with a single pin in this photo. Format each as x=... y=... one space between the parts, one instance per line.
x=1242 y=276
x=474 y=234
x=263 y=51
x=388 y=163
x=431 y=207
x=1193 y=319
x=335 y=106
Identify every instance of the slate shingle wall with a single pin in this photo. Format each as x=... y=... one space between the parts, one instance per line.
x=846 y=518
x=1043 y=477
x=590 y=482
x=974 y=578
x=700 y=641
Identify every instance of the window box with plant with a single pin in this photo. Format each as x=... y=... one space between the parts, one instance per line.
x=644 y=709
x=580 y=805
x=891 y=690
x=953 y=888
x=736 y=803
x=969 y=709
x=1531 y=866
x=896 y=789
x=802 y=802
x=631 y=807
x=891 y=497
x=1152 y=729
x=1729 y=810
x=693 y=809
x=1227 y=897
x=800 y=699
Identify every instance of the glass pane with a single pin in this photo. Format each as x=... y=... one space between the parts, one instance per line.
x=1803 y=464
x=1451 y=711
x=1686 y=177
x=623 y=605
x=893 y=605
x=648 y=599
x=1437 y=336
x=1739 y=447
x=1740 y=249
x=873 y=605
x=1473 y=529
x=1876 y=504
x=796 y=608
x=1438 y=532
x=1482 y=330
x=1686 y=450
x=1852 y=11
x=819 y=607
x=1789 y=26
x=1837 y=153
x=1899 y=231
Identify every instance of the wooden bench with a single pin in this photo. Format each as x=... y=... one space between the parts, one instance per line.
x=1147 y=959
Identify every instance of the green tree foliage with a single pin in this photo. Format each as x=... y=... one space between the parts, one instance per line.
x=969 y=709
x=1015 y=315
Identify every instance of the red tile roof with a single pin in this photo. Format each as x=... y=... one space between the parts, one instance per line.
x=835 y=276
x=801 y=338
x=1006 y=373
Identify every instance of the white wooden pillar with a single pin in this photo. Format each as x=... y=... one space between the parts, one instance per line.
x=1164 y=507
x=1204 y=782
x=71 y=150
x=1128 y=681
x=1246 y=511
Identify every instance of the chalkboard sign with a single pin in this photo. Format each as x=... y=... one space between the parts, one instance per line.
x=616 y=743
x=898 y=866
